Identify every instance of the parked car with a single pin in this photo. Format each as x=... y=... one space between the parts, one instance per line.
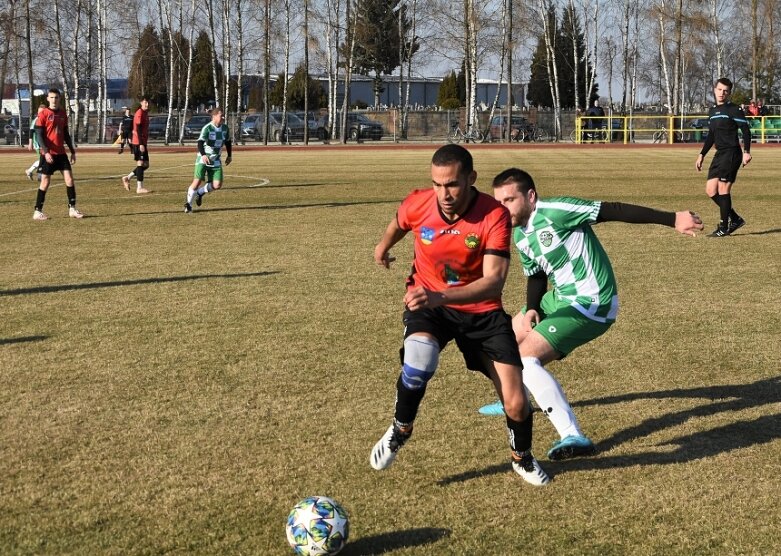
x=157 y=126
x=9 y=133
x=359 y=126
x=253 y=127
x=193 y=127
x=250 y=126
x=498 y=127
x=113 y=125
x=311 y=120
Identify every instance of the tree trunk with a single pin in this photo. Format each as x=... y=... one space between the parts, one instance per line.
x=215 y=82
x=553 y=72
x=239 y=74
x=350 y=12
x=306 y=71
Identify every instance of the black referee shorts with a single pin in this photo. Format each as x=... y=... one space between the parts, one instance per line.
x=725 y=164
x=481 y=337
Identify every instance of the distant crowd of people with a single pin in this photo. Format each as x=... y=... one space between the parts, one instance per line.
x=756 y=108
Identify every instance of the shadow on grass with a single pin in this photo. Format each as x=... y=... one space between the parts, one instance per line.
x=760 y=233
x=119 y=283
x=722 y=398
x=21 y=339
x=387 y=542
x=725 y=398
x=253 y=207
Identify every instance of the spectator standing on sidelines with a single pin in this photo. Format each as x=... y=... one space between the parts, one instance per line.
x=53 y=136
x=596 y=116
x=32 y=144
x=125 y=130
x=462 y=256
x=724 y=120
x=140 y=137
x=556 y=243
x=208 y=165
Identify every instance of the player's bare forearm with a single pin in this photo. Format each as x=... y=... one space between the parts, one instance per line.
x=393 y=234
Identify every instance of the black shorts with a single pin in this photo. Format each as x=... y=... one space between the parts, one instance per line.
x=138 y=155
x=481 y=337
x=60 y=163
x=725 y=164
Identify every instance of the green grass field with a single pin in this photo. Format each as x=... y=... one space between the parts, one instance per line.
x=175 y=383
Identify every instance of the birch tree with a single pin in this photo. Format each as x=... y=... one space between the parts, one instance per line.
x=545 y=9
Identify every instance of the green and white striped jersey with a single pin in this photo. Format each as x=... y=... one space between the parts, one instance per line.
x=558 y=240
x=213 y=139
x=34 y=135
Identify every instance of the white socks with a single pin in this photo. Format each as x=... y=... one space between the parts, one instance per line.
x=207 y=188
x=550 y=397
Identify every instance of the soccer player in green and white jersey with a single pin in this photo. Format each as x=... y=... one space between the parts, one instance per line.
x=32 y=145
x=208 y=166
x=556 y=244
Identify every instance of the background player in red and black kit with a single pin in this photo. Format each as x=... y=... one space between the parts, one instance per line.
x=139 y=140
x=724 y=120
x=462 y=256
x=52 y=130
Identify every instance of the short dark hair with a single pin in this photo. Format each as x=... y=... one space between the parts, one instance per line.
x=55 y=91
x=452 y=154
x=143 y=98
x=724 y=81
x=517 y=176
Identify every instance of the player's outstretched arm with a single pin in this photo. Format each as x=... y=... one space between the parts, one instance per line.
x=687 y=222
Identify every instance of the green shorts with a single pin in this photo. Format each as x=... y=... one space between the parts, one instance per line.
x=564 y=327
x=208 y=173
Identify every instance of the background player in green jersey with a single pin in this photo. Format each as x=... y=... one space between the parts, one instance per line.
x=556 y=244
x=32 y=145
x=208 y=166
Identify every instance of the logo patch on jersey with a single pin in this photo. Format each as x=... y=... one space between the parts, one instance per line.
x=451 y=276
x=212 y=136
x=427 y=235
x=546 y=238
x=472 y=241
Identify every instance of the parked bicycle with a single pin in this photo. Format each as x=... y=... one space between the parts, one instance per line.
x=662 y=136
x=589 y=135
x=535 y=133
x=471 y=135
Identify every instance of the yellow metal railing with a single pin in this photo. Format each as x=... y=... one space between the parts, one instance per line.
x=663 y=129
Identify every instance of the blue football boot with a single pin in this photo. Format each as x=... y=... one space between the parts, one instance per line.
x=571 y=447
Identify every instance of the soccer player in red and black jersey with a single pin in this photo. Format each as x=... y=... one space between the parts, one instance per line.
x=53 y=135
x=724 y=120
x=462 y=256
x=138 y=141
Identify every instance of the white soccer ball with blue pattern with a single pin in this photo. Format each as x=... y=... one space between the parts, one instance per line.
x=317 y=526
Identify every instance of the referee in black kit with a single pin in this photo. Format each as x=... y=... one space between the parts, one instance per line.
x=724 y=120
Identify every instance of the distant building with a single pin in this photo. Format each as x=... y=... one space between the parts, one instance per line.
x=423 y=92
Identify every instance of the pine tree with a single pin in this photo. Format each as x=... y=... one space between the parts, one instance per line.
x=377 y=38
x=539 y=93
x=295 y=92
x=147 y=71
x=202 y=87
x=447 y=97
